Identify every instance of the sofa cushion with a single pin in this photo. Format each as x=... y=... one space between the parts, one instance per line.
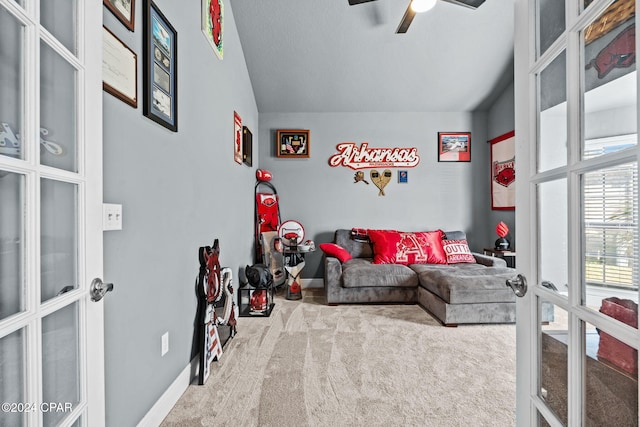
x=357 y=249
x=468 y=283
x=457 y=251
x=336 y=251
x=362 y=273
x=398 y=247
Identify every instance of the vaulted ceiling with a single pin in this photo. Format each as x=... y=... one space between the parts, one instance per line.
x=327 y=56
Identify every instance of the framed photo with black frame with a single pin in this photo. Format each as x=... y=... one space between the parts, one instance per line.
x=160 y=58
x=454 y=146
x=247 y=146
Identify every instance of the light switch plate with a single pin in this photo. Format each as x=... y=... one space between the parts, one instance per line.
x=111 y=217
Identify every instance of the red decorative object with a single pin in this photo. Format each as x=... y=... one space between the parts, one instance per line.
x=263 y=175
x=337 y=251
x=215 y=14
x=502 y=229
x=259 y=300
x=295 y=287
x=291 y=232
x=612 y=349
x=363 y=157
x=397 y=247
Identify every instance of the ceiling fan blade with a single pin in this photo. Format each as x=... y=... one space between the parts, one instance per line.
x=354 y=2
x=472 y=4
x=406 y=20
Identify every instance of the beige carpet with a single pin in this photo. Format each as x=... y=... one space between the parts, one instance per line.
x=356 y=365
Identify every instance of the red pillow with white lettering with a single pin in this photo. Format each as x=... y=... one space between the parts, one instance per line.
x=398 y=247
x=337 y=251
x=457 y=251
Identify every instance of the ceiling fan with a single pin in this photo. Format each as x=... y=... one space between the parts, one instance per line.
x=415 y=7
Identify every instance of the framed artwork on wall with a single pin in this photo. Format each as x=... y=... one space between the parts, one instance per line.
x=124 y=10
x=160 y=53
x=119 y=69
x=212 y=16
x=454 y=146
x=247 y=146
x=237 y=138
x=292 y=143
x=503 y=172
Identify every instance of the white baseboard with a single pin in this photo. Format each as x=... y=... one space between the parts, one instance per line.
x=170 y=397
x=312 y=283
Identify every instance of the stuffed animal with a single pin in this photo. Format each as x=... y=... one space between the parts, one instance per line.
x=258 y=275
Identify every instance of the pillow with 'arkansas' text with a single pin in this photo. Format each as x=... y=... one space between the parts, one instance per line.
x=398 y=247
x=457 y=251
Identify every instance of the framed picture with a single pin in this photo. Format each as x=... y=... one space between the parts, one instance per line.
x=247 y=146
x=119 y=69
x=503 y=172
x=160 y=54
x=237 y=138
x=124 y=10
x=403 y=176
x=292 y=143
x=212 y=16
x=454 y=146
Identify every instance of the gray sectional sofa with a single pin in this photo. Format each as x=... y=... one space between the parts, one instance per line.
x=453 y=293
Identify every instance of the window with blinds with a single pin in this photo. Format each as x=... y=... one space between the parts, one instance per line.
x=610 y=203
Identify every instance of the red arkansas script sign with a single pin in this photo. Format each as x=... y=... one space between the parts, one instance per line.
x=354 y=157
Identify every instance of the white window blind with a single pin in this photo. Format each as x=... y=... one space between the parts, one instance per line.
x=611 y=218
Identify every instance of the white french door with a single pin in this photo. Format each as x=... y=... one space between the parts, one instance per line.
x=51 y=333
x=577 y=212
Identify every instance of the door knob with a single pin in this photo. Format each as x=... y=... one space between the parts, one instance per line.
x=99 y=289
x=518 y=284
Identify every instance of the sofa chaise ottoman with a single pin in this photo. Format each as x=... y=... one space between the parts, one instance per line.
x=471 y=292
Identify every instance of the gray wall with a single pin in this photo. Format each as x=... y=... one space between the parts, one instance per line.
x=179 y=191
x=438 y=195
x=500 y=120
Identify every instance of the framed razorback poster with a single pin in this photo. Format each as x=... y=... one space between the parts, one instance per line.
x=503 y=172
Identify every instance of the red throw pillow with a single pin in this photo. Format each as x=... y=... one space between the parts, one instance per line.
x=398 y=247
x=457 y=251
x=337 y=251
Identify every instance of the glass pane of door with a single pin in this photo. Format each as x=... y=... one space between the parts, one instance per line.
x=610 y=232
x=12 y=236
x=60 y=19
x=552 y=107
x=59 y=238
x=11 y=84
x=611 y=395
x=552 y=240
x=58 y=112
x=610 y=81
x=12 y=378
x=551 y=23
x=60 y=363
x=554 y=368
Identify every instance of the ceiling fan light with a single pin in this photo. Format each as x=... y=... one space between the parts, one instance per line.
x=422 y=5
